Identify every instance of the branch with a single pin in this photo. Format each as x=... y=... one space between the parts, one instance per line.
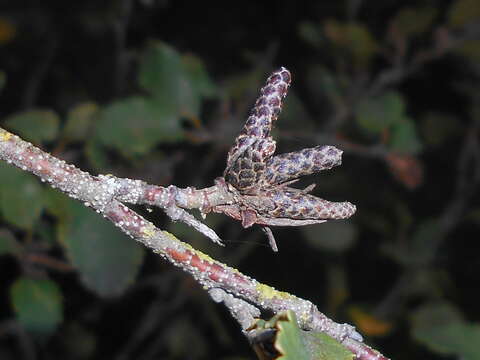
x=104 y=194
x=255 y=189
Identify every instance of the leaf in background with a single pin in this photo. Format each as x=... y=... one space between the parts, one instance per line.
x=292 y=343
x=463 y=12
x=135 y=125
x=404 y=138
x=164 y=75
x=21 y=197
x=379 y=113
x=311 y=34
x=335 y=236
x=406 y=169
x=79 y=120
x=414 y=20
x=355 y=38
x=8 y=244
x=367 y=323
x=8 y=31
x=107 y=260
x=37 y=303
x=418 y=252
x=201 y=81
x=36 y=126
x=441 y=328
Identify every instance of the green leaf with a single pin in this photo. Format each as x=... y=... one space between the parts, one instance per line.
x=8 y=244
x=135 y=125
x=79 y=120
x=107 y=260
x=336 y=236
x=37 y=303
x=442 y=329
x=463 y=12
x=201 y=81
x=164 y=75
x=292 y=343
x=354 y=38
x=377 y=114
x=36 y=126
x=21 y=197
x=418 y=252
x=404 y=138
x=413 y=21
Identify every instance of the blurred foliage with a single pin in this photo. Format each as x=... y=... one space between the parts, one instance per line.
x=157 y=90
x=37 y=303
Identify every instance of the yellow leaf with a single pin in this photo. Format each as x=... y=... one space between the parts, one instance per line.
x=7 y=31
x=367 y=323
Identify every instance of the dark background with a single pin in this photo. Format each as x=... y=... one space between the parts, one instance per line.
x=403 y=269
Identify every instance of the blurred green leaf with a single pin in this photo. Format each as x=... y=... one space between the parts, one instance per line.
x=37 y=303
x=414 y=20
x=311 y=34
x=8 y=244
x=404 y=138
x=135 y=125
x=379 y=113
x=79 y=120
x=419 y=250
x=463 y=12
x=441 y=328
x=201 y=81
x=34 y=125
x=164 y=75
x=292 y=343
x=336 y=236
x=437 y=128
x=106 y=259
x=21 y=197
x=355 y=38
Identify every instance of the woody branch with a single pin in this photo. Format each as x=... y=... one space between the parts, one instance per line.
x=254 y=189
x=245 y=297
